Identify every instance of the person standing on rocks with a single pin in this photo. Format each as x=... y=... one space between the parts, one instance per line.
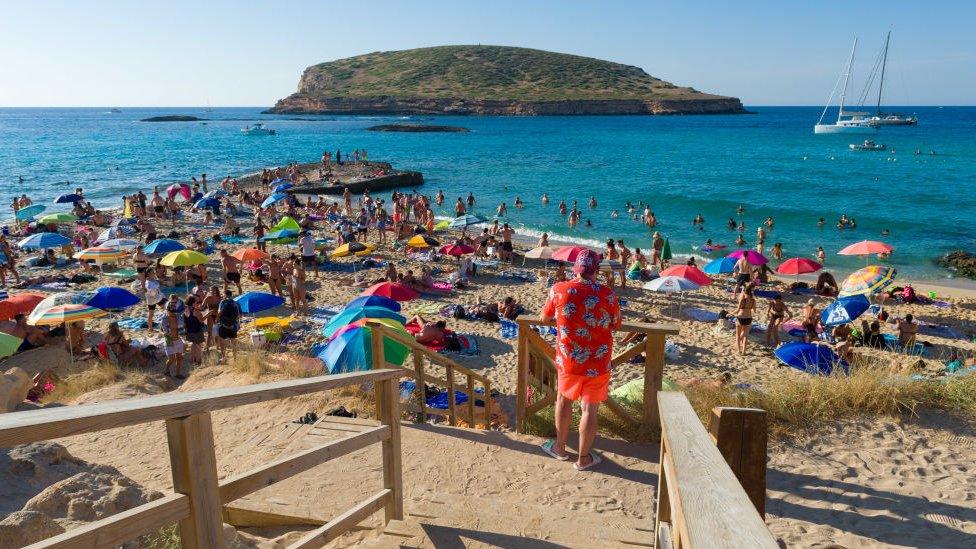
x=586 y=314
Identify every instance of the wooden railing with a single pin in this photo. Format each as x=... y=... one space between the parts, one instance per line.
x=537 y=369
x=199 y=497
x=711 y=489
x=426 y=367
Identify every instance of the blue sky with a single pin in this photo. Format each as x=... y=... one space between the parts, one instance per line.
x=249 y=53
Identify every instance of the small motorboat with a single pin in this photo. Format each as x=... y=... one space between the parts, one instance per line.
x=868 y=145
x=257 y=129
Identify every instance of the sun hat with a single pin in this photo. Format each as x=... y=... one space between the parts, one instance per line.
x=587 y=262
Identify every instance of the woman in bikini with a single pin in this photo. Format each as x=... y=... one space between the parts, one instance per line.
x=743 y=315
x=124 y=352
x=776 y=315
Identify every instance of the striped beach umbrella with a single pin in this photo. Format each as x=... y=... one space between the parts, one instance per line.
x=869 y=280
x=59 y=314
x=101 y=254
x=43 y=240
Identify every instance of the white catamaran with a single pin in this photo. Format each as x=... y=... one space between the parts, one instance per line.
x=847 y=122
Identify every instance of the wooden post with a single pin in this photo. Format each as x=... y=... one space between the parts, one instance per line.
x=194 y=466
x=653 y=377
x=389 y=414
x=487 y=387
x=451 y=397
x=521 y=389
x=740 y=434
x=471 y=423
x=663 y=502
x=421 y=388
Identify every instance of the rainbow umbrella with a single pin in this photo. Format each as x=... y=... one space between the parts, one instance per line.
x=184 y=258
x=29 y=212
x=348 y=316
x=869 y=280
x=64 y=314
x=351 y=351
x=9 y=344
x=60 y=217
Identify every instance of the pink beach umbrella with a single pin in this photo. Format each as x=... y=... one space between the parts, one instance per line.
x=752 y=256
x=568 y=253
x=867 y=247
x=182 y=188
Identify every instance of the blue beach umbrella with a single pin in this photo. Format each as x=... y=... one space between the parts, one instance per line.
x=810 y=358
x=278 y=181
x=278 y=235
x=351 y=351
x=373 y=301
x=844 y=310
x=28 y=212
x=274 y=197
x=70 y=198
x=43 y=240
x=206 y=203
x=113 y=297
x=162 y=246
x=283 y=187
x=465 y=220
x=255 y=302
x=348 y=316
x=721 y=265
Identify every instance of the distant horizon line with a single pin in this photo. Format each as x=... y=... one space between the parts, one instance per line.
x=435 y=114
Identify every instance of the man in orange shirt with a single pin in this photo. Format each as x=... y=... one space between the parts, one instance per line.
x=586 y=314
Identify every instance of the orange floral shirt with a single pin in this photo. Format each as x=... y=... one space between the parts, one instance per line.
x=586 y=315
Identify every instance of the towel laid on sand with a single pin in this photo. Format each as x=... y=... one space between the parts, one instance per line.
x=701 y=315
x=436 y=398
x=509 y=329
x=518 y=275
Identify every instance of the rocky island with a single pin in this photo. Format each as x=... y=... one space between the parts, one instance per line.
x=491 y=80
x=417 y=128
x=173 y=118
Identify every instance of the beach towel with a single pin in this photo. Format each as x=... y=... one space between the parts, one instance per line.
x=701 y=315
x=54 y=286
x=486 y=263
x=121 y=273
x=508 y=328
x=939 y=330
x=518 y=275
x=766 y=294
x=323 y=314
x=469 y=345
x=139 y=322
x=425 y=308
x=436 y=398
x=892 y=344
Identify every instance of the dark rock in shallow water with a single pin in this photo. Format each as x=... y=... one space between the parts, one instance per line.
x=417 y=128
x=962 y=263
x=173 y=118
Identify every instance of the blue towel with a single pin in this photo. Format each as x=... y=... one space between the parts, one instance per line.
x=509 y=329
x=438 y=400
x=545 y=330
x=766 y=294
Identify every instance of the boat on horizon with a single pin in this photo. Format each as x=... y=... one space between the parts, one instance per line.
x=257 y=129
x=848 y=122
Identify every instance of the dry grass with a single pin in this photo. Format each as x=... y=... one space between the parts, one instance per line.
x=101 y=374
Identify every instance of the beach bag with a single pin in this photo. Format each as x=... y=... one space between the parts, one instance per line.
x=228 y=314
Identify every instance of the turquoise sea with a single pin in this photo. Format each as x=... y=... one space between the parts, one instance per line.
x=770 y=162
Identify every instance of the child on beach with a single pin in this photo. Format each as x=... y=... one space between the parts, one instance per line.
x=174 y=347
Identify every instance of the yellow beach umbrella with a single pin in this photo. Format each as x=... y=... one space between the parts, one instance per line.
x=101 y=254
x=353 y=248
x=421 y=241
x=184 y=258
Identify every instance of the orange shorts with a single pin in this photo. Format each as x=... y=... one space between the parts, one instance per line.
x=591 y=390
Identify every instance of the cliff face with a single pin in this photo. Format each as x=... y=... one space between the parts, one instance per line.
x=303 y=103
x=492 y=80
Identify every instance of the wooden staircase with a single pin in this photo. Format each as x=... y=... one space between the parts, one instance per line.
x=453 y=521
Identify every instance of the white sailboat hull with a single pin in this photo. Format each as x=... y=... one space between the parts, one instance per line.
x=847 y=129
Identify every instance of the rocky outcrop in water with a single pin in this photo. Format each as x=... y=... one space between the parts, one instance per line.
x=961 y=262
x=173 y=118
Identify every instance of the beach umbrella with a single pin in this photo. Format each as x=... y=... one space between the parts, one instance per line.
x=422 y=241
x=9 y=344
x=255 y=302
x=57 y=300
x=206 y=203
x=869 y=280
x=866 y=247
x=441 y=225
x=752 y=256
x=113 y=297
x=108 y=234
x=214 y=194
x=542 y=252
x=372 y=301
x=351 y=351
x=568 y=253
x=283 y=234
x=357 y=248
x=797 y=266
x=286 y=222
x=70 y=198
x=272 y=198
x=722 y=265
x=29 y=212
x=100 y=254
x=392 y=290
x=671 y=284
x=43 y=240
x=466 y=220
x=456 y=250
x=666 y=254
x=249 y=254
x=59 y=217
x=178 y=188
x=121 y=243
x=689 y=272
x=65 y=314
x=810 y=358
x=348 y=316
x=282 y=188
x=162 y=246
x=184 y=258
x=278 y=181
x=19 y=304
x=845 y=309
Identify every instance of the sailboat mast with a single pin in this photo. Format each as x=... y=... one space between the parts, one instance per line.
x=847 y=78
x=884 y=61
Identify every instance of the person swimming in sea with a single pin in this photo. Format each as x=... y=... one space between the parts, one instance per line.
x=731 y=224
x=588 y=224
x=820 y=223
x=545 y=199
x=562 y=207
x=739 y=241
x=885 y=232
x=614 y=213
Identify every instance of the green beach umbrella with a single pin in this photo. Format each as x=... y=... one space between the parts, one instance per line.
x=9 y=344
x=286 y=223
x=666 y=251
x=60 y=217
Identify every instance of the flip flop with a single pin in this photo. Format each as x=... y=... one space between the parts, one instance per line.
x=547 y=448
x=595 y=460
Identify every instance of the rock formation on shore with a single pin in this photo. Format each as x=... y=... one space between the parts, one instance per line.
x=491 y=80
x=961 y=262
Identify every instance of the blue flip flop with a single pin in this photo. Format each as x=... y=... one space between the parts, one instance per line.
x=595 y=460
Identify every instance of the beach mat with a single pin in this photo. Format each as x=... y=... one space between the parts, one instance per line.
x=701 y=315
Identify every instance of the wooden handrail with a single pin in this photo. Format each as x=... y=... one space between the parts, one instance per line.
x=639 y=327
x=25 y=427
x=699 y=496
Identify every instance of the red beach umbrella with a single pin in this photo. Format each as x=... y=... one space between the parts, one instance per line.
x=752 y=256
x=867 y=247
x=798 y=266
x=392 y=290
x=457 y=250
x=249 y=254
x=688 y=272
x=181 y=188
x=568 y=253
x=19 y=304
